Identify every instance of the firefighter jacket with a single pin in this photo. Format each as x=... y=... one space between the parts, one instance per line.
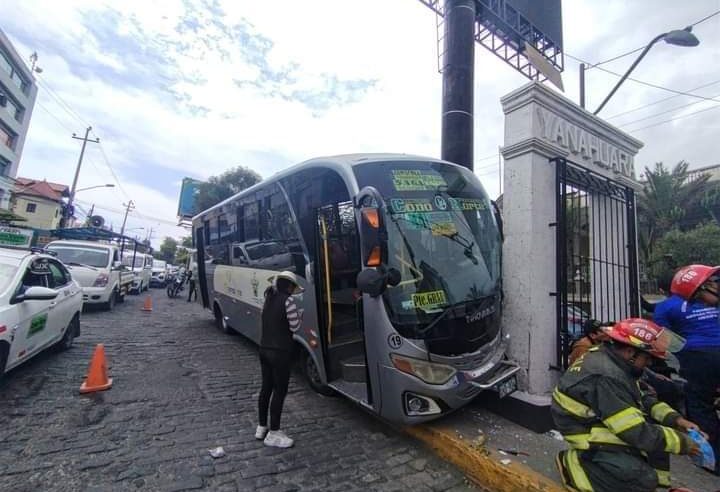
x=598 y=404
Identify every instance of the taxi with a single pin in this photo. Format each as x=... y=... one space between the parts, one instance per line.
x=40 y=305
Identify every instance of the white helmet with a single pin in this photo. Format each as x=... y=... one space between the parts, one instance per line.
x=287 y=275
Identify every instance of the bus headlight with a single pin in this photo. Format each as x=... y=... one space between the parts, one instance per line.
x=429 y=372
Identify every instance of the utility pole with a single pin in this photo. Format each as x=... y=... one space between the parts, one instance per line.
x=69 y=210
x=458 y=85
x=129 y=206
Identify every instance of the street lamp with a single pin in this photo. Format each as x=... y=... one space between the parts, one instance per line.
x=69 y=210
x=677 y=37
x=108 y=185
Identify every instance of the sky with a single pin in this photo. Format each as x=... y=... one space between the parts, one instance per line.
x=194 y=87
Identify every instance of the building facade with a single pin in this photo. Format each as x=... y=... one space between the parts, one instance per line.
x=39 y=202
x=19 y=89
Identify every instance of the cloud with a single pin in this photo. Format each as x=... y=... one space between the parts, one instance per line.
x=191 y=88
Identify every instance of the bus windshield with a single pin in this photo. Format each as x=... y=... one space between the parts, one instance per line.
x=444 y=241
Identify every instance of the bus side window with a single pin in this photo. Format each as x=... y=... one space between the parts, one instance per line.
x=251 y=220
x=240 y=233
x=238 y=256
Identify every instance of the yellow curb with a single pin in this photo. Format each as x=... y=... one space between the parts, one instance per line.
x=482 y=465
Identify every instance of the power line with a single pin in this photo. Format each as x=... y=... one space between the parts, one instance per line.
x=661 y=100
x=664 y=112
x=63 y=104
x=615 y=58
x=643 y=47
x=655 y=86
x=673 y=119
x=53 y=116
x=705 y=18
x=112 y=171
x=147 y=218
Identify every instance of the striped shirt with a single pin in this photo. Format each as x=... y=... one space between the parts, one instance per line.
x=294 y=315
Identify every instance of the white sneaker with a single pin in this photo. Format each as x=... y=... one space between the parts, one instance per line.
x=278 y=439
x=261 y=432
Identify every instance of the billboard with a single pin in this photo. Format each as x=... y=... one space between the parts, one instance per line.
x=15 y=237
x=526 y=34
x=186 y=203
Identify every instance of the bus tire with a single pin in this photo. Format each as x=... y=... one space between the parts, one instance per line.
x=313 y=377
x=220 y=321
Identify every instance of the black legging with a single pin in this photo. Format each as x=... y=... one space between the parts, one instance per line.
x=275 y=366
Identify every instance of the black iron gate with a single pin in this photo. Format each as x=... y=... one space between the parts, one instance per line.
x=597 y=272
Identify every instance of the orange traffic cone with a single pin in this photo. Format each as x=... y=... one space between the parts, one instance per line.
x=148 y=304
x=97 y=377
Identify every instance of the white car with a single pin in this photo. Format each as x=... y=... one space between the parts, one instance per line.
x=40 y=306
x=159 y=274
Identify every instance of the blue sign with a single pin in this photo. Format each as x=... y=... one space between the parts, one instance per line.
x=188 y=193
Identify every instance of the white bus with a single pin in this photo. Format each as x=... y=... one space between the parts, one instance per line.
x=399 y=256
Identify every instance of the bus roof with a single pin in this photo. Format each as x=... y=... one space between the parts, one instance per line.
x=342 y=163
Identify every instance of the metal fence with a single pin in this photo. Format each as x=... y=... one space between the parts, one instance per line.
x=597 y=270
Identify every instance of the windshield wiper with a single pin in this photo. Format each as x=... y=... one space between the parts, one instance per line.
x=74 y=263
x=442 y=315
x=404 y=238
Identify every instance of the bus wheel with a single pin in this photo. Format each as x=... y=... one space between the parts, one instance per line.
x=220 y=320
x=313 y=377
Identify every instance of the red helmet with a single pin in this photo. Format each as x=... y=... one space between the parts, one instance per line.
x=689 y=278
x=645 y=335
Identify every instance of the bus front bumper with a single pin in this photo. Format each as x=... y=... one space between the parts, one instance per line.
x=414 y=401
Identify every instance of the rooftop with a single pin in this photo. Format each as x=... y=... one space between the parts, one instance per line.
x=44 y=189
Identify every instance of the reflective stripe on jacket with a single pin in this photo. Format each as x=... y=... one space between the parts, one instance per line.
x=598 y=404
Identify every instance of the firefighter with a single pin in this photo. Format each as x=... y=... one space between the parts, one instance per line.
x=600 y=410
x=692 y=311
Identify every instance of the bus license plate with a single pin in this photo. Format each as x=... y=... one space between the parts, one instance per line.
x=506 y=387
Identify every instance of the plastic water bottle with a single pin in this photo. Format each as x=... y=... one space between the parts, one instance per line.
x=706 y=458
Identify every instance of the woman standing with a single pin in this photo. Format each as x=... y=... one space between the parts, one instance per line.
x=280 y=319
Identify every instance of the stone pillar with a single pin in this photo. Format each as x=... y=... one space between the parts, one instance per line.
x=540 y=124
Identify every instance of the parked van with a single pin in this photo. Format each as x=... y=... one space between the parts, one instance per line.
x=141 y=265
x=97 y=267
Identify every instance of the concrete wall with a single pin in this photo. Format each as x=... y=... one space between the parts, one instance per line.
x=539 y=125
x=24 y=100
x=46 y=215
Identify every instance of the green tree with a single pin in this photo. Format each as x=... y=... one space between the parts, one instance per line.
x=218 y=188
x=698 y=245
x=182 y=252
x=668 y=198
x=167 y=250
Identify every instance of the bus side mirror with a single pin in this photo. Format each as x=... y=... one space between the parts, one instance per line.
x=374 y=281
x=373 y=240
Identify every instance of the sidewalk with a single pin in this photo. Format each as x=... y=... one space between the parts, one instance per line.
x=499 y=455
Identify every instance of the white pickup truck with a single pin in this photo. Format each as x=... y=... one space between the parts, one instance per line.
x=98 y=269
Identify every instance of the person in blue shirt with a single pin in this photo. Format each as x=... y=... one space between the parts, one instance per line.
x=693 y=312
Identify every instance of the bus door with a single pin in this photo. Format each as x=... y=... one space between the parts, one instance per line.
x=200 y=275
x=339 y=301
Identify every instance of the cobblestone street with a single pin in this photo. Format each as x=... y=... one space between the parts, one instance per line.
x=180 y=388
